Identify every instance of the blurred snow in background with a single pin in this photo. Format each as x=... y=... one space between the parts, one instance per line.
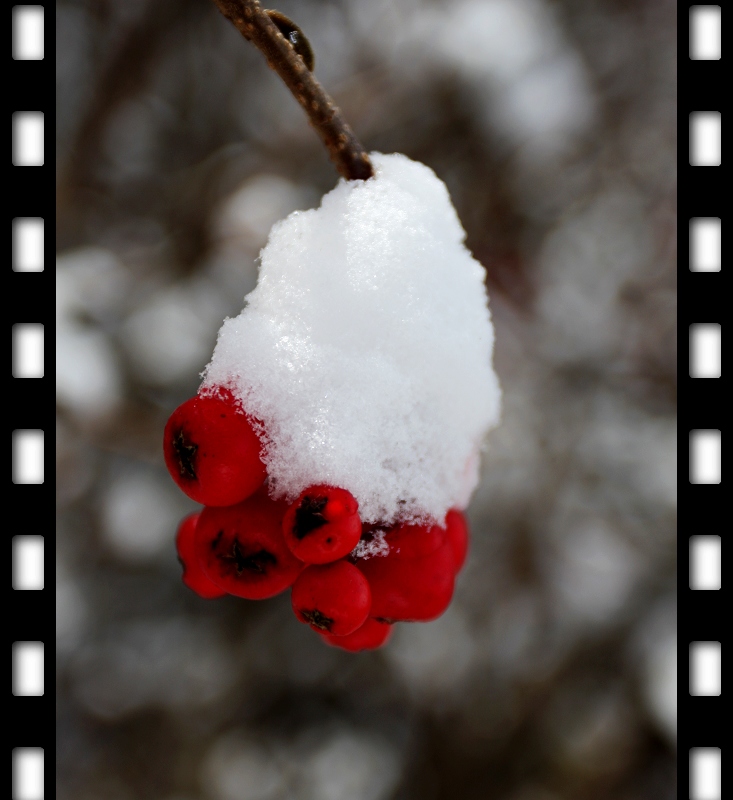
x=553 y=674
x=167 y=337
x=90 y=283
x=529 y=82
x=326 y=763
x=138 y=512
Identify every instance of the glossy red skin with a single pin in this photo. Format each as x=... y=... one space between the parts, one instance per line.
x=212 y=451
x=371 y=635
x=193 y=576
x=414 y=541
x=322 y=525
x=458 y=536
x=241 y=548
x=332 y=598
x=410 y=589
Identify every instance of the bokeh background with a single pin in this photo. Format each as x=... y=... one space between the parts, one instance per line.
x=553 y=674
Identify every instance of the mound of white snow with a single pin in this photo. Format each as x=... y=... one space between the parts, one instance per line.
x=366 y=348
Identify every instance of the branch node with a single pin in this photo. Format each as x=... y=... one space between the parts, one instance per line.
x=288 y=52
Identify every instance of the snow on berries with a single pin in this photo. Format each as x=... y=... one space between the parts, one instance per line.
x=365 y=349
x=336 y=435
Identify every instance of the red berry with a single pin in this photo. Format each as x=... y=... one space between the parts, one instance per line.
x=370 y=636
x=457 y=527
x=242 y=550
x=322 y=525
x=414 y=541
x=410 y=589
x=193 y=576
x=212 y=451
x=332 y=598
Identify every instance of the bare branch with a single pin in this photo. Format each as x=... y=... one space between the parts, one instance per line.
x=254 y=24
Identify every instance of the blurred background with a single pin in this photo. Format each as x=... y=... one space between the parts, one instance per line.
x=553 y=674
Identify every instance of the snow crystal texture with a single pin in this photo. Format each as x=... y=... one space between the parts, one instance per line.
x=366 y=348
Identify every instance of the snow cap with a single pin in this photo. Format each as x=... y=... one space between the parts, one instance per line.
x=366 y=348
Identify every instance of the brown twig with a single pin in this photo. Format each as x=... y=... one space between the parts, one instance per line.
x=254 y=24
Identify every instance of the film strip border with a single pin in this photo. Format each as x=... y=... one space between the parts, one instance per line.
x=701 y=408
x=31 y=195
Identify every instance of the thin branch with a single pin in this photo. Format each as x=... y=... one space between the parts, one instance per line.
x=254 y=24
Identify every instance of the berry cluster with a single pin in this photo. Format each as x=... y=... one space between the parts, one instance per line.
x=350 y=582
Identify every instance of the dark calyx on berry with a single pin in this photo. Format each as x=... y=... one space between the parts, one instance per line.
x=332 y=598
x=242 y=550
x=255 y=562
x=322 y=525
x=317 y=620
x=309 y=516
x=186 y=455
x=213 y=451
